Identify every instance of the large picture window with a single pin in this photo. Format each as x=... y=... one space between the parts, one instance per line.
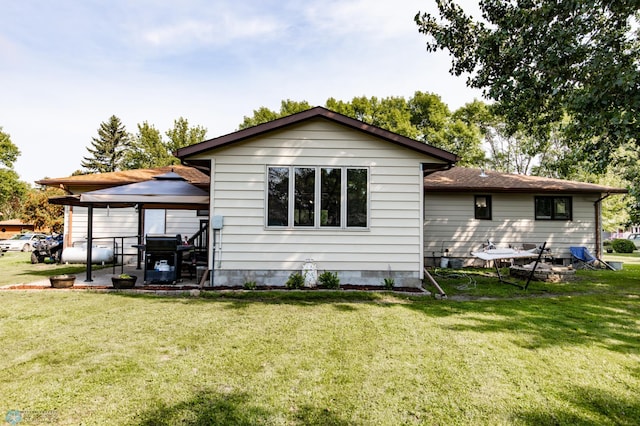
x=553 y=208
x=317 y=197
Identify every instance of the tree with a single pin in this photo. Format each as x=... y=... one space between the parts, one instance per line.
x=182 y=135
x=109 y=147
x=458 y=132
x=147 y=149
x=38 y=211
x=542 y=59
x=9 y=153
x=392 y=113
x=264 y=115
x=12 y=190
x=424 y=117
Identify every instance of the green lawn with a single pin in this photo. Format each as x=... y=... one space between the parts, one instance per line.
x=328 y=358
x=16 y=268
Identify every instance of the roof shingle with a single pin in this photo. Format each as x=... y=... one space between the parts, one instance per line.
x=462 y=179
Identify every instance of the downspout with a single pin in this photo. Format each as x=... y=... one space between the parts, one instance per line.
x=597 y=206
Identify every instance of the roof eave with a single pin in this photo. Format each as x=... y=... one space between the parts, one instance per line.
x=317 y=112
x=527 y=190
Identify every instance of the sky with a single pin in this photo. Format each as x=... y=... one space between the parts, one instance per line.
x=67 y=66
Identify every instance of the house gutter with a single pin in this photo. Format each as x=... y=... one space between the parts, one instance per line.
x=597 y=206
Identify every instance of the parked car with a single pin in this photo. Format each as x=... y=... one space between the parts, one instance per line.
x=636 y=239
x=21 y=242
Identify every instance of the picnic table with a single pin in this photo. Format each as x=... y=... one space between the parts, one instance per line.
x=493 y=254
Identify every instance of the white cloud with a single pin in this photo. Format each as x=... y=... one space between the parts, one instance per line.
x=212 y=62
x=224 y=30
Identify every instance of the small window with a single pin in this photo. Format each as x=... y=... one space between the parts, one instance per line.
x=482 y=205
x=553 y=208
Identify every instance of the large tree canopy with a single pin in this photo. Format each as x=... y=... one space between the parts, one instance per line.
x=182 y=135
x=263 y=114
x=148 y=149
x=425 y=117
x=542 y=59
x=12 y=190
x=9 y=153
x=38 y=211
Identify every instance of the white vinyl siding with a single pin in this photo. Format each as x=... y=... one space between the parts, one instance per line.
x=449 y=224
x=390 y=242
x=123 y=222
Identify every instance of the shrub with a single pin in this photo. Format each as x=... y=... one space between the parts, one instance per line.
x=329 y=279
x=296 y=280
x=389 y=283
x=250 y=285
x=621 y=245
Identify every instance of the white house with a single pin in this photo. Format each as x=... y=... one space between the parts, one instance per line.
x=317 y=186
x=465 y=208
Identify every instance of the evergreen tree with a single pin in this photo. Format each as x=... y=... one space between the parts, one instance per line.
x=108 y=149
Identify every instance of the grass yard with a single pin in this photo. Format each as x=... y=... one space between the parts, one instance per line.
x=328 y=358
x=16 y=268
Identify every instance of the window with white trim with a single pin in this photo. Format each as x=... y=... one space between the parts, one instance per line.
x=553 y=208
x=317 y=197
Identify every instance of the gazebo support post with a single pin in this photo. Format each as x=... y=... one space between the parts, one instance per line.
x=89 y=242
x=140 y=231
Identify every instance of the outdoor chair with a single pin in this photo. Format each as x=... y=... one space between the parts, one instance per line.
x=582 y=258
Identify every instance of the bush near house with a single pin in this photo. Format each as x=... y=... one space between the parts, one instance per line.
x=621 y=245
x=329 y=279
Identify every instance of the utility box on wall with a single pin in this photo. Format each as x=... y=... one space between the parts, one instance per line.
x=217 y=222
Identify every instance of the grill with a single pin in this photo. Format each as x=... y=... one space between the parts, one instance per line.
x=162 y=258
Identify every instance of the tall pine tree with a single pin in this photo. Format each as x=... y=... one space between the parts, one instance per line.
x=108 y=149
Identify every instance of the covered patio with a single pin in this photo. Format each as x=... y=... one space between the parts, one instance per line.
x=164 y=191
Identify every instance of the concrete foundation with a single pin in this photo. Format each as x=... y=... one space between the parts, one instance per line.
x=277 y=278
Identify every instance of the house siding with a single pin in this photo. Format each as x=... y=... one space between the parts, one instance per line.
x=449 y=224
x=122 y=222
x=247 y=249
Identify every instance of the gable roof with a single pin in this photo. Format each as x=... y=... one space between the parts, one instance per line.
x=316 y=113
x=462 y=179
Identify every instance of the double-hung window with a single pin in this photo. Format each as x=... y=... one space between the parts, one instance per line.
x=482 y=207
x=317 y=197
x=553 y=208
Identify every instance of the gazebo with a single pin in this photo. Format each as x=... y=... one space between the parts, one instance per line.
x=168 y=190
